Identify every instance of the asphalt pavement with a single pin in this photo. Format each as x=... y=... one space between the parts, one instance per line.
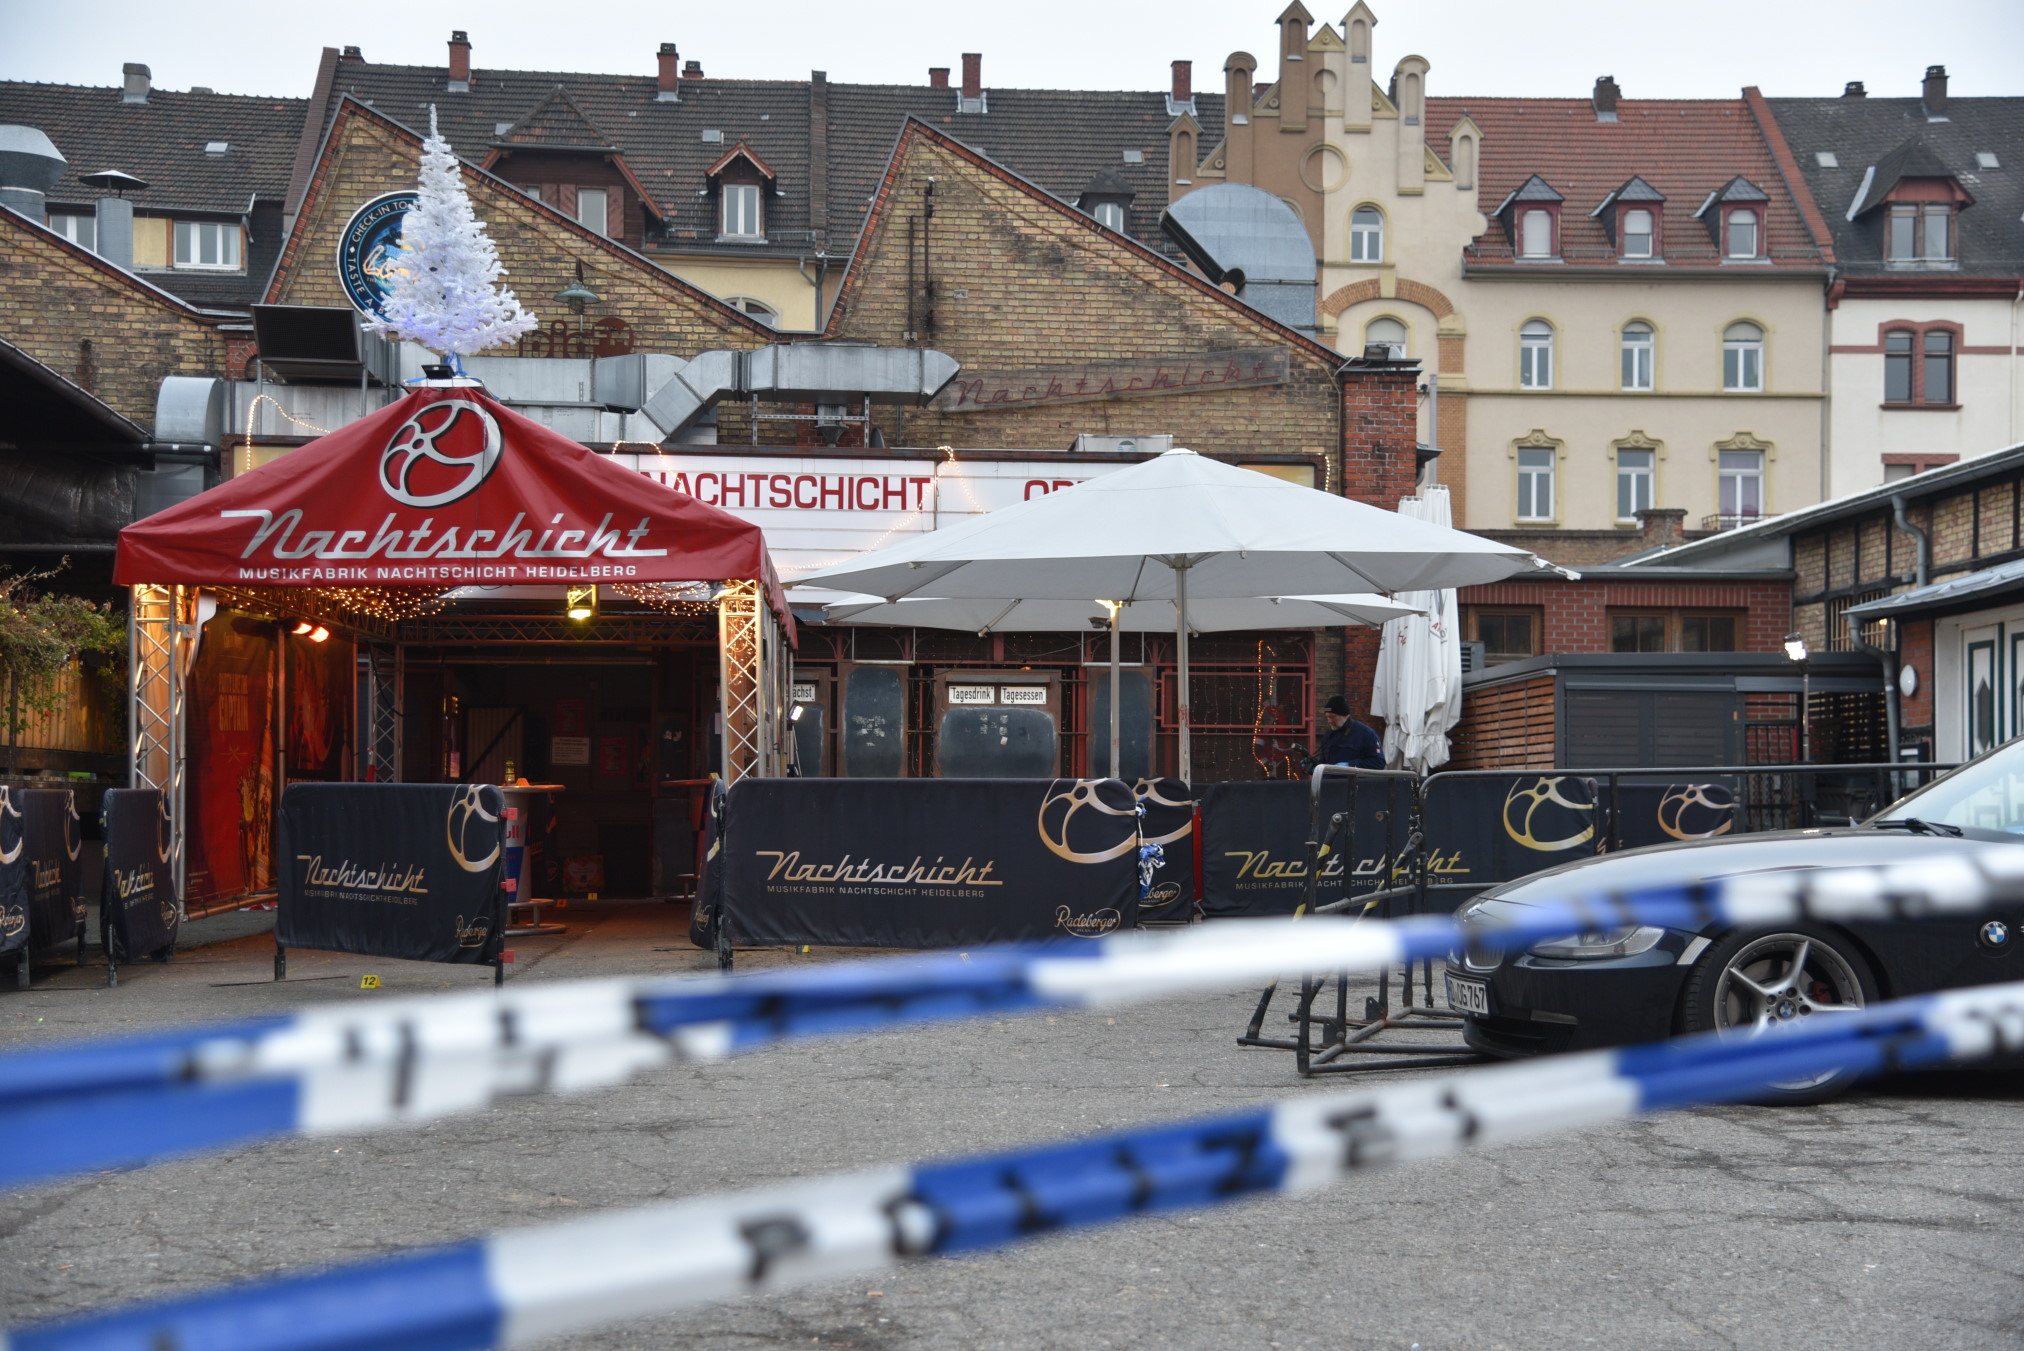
x=1891 y=1218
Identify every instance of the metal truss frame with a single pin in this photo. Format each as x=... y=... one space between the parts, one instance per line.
x=382 y=668
x=753 y=676
x=161 y=646
x=646 y=629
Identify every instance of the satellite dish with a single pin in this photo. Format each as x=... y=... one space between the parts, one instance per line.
x=115 y=181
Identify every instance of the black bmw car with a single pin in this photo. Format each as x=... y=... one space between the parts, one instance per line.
x=1621 y=986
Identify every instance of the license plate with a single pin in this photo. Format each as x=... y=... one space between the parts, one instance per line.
x=1468 y=996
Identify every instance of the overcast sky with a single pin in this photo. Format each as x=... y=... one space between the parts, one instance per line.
x=1791 y=47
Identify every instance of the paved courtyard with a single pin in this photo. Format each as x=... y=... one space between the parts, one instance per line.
x=1893 y=1218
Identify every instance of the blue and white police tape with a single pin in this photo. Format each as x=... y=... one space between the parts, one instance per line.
x=367 y=1064
x=525 y=1285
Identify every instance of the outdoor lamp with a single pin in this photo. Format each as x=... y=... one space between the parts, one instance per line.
x=318 y=634
x=302 y=628
x=580 y=602
x=576 y=295
x=795 y=714
x=1795 y=648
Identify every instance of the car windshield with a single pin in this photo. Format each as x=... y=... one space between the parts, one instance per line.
x=1986 y=794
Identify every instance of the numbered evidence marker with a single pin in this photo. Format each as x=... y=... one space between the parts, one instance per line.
x=368 y=982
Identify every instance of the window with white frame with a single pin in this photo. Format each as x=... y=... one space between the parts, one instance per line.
x=1634 y=482
x=1638 y=232
x=1390 y=332
x=1740 y=233
x=205 y=243
x=1743 y=359
x=79 y=230
x=1110 y=215
x=593 y=207
x=1740 y=484
x=1535 y=234
x=741 y=211
x=1640 y=347
x=1535 y=483
x=1366 y=235
x=1535 y=355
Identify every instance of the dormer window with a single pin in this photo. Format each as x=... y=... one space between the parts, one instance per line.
x=1740 y=233
x=742 y=182
x=1734 y=215
x=1531 y=216
x=1107 y=198
x=1639 y=232
x=1920 y=232
x=1535 y=233
x=742 y=212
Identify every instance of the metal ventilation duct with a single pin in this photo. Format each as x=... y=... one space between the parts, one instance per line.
x=29 y=167
x=1241 y=234
x=800 y=373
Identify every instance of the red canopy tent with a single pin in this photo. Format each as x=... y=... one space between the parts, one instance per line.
x=444 y=488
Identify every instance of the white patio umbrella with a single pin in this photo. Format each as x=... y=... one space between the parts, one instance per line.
x=1179 y=525
x=1418 y=685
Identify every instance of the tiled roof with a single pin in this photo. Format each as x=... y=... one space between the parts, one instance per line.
x=1685 y=149
x=162 y=141
x=1058 y=138
x=557 y=122
x=1863 y=132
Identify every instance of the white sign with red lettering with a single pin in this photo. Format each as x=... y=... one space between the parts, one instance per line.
x=818 y=510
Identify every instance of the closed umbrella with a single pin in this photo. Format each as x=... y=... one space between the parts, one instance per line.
x=1176 y=527
x=1418 y=687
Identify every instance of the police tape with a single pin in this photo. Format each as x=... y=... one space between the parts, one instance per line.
x=75 y=1108
x=525 y=1285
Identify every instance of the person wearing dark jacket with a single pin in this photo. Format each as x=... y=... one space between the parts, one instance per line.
x=1348 y=742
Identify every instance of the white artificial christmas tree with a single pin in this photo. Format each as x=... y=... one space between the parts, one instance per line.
x=445 y=293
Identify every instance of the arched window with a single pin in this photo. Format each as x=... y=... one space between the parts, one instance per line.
x=1366 y=235
x=1535 y=355
x=1743 y=359
x=1640 y=346
x=1535 y=234
x=1637 y=233
x=758 y=309
x=1742 y=233
x=1391 y=333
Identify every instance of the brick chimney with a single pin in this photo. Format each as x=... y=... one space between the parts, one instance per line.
x=460 y=63
x=138 y=79
x=972 y=100
x=1605 y=97
x=1936 y=92
x=668 y=81
x=1182 y=93
x=1661 y=527
x=1854 y=90
x=938 y=77
x=693 y=70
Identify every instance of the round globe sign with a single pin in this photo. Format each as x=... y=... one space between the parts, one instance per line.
x=369 y=249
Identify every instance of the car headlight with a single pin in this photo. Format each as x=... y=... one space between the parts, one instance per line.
x=1599 y=943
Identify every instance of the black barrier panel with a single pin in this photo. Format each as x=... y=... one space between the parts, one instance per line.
x=1489 y=830
x=14 y=875
x=1254 y=843
x=1168 y=823
x=928 y=863
x=1664 y=813
x=137 y=909
x=393 y=870
x=55 y=841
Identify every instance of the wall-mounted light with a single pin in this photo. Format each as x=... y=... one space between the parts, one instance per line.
x=580 y=602
x=1795 y=647
x=795 y=715
x=315 y=633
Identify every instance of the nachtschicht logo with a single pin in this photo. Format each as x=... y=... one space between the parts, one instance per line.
x=440 y=454
x=1698 y=811
x=369 y=252
x=10 y=828
x=1085 y=840
x=1544 y=810
x=467 y=810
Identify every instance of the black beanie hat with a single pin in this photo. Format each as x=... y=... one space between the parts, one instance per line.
x=1337 y=704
